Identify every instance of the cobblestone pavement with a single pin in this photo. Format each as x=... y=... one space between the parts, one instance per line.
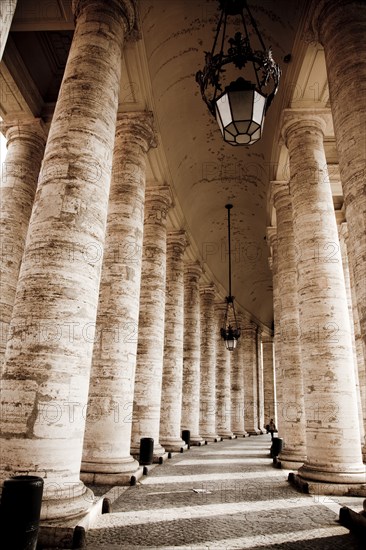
x=222 y=496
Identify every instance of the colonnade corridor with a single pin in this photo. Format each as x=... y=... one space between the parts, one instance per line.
x=223 y=496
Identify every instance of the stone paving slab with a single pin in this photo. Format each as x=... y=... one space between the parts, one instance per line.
x=240 y=505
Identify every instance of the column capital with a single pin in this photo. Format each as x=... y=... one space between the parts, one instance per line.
x=161 y=195
x=177 y=239
x=28 y=129
x=124 y=8
x=249 y=326
x=267 y=338
x=138 y=126
x=193 y=269
x=208 y=291
x=280 y=191
x=295 y=119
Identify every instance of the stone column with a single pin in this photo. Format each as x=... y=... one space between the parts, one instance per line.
x=273 y=264
x=223 y=383
x=25 y=143
x=48 y=357
x=208 y=364
x=249 y=343
x=171 y=398
x=293 y=411
x=260 y=380
x=191 y=353
x=106 y=456
x=268 y=379
x=150 y=346
x=340 y=26
x=359 y=361
x=7 y=10
x=332 y=430
x=237 y=388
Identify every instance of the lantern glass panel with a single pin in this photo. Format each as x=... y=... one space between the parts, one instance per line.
x=223 y=106
x=258 y=110
x=242 y=104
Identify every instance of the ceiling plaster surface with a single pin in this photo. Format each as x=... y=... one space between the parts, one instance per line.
x=206 y=172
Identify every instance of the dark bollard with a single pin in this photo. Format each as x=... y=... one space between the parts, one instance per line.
x=146 y=450
x=20 y=511
x=186 y=436
x=277 y=444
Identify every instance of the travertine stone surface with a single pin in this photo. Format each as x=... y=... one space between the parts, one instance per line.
x=25 y=148
x=49 y=355
x=237 y=387
x=106 y=455
x=7 y=9
x=335 y=21
x=332 y=431
x=209 y=330
x=150 y=346
x=192 y=352
x=293 y=409
x=171 y=396
x=268 y=379
x=223 y=378
x=260 y=380
x=249 y=342
x=273 y=264
x=359 y=360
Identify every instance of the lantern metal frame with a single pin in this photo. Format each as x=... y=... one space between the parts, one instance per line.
x=230 y=331
x=240 y=54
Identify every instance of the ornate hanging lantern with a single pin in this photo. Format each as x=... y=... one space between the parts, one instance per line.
x=230 y=332
x=241 y=106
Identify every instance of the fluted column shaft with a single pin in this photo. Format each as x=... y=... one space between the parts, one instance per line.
x=359 y=360
x=249 y=343
x=192 y=353
x=237 y=387
x=49 y=355
x=171 y=398
x=293 y=409
x=7 y=10
x=332 y=431
x=341 y=27
x=106 y=456
x=208 y=365
x=223 y=382
x=260 y=395
x=268 y=379
x=150 y=346
x=25 y=148
x=273 y=263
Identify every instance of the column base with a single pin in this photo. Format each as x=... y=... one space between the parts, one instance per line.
x=226 y=435
x=324 y=488
x=197 y=440
x=71 y=533
x=352 y=474
x=291 y=461
x=174 y=445
x=241 y=433
x=211 y=438
x=112 y=479
x=254 y=431
x=118 y=473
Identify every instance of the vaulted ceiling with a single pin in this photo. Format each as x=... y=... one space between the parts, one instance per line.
x=204 y=172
